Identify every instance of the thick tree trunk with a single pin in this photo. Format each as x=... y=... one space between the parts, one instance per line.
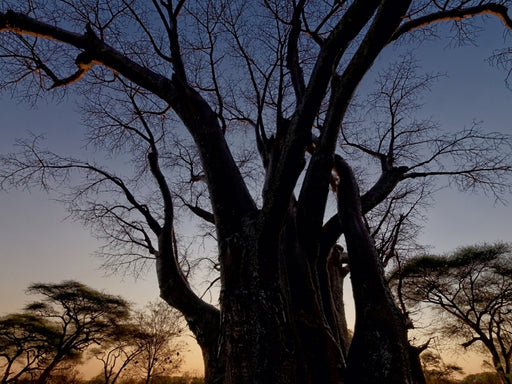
x=282 y=316
x=213 y=367
x=255 y=329
x=379 y=352
x=319 y=354
x=503 y=373
x=204 y=323
x=282 y=323
x=45 y=375
x=274 y=325
x=256 y=339
x=417 y=369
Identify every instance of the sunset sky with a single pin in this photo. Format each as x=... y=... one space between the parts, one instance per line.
x=38 y=243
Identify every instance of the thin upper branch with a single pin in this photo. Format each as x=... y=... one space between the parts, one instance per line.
x=292 y=56
x=493 y=9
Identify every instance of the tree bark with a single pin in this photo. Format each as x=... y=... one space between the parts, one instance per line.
x=379 y=352
x=45 y=375
x=317 y=344
x=274 y=325
x=333 y=297
x=254 y=326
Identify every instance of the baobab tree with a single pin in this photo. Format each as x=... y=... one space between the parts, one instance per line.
x=190 y=91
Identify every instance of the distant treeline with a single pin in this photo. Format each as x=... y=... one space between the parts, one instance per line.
x=72 y=323
x=69 y=379
x=479 y=378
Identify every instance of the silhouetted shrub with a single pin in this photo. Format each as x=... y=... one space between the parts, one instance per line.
x=482 y=378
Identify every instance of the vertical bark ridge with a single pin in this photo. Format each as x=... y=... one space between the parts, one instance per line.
x=254 y=322
x=322 y=358
x=380 y=346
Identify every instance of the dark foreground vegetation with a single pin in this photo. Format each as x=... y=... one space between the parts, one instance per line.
x=70 y=379
x=71 y=323
x=434 y=378
x=480 y=378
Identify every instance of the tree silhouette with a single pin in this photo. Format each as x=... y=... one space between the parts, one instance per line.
x=147 y=345
x=472 y=290
x=190 y=93
x=118 y=352
x=79 y=316
x=25 y=342
x=159 y=328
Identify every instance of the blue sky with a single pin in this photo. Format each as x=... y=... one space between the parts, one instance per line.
x=472 y=90
x=37 y=243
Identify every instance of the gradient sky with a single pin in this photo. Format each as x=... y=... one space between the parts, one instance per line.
x=37 y=243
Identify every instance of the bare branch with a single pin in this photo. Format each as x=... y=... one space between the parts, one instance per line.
x=458 y=13
x=292 y=56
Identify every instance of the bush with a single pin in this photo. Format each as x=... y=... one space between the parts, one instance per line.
x=482 y=378
x=437 y=377
x=167 y=380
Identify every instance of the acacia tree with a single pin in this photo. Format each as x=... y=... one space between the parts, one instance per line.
x=436 y=369
x=159 y=328
x=147 y=345
x=25 y=341
x=79 y=316
x=286 y=72
x=472 y=290
x=118 y=353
